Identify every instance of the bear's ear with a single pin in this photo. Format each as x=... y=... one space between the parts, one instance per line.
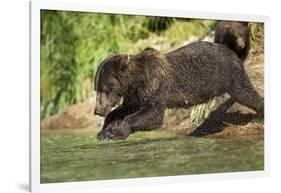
x=146 y=56
x=150 y=50
x=124 y=62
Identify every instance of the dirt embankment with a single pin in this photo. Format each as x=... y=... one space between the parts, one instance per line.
x=77 y=116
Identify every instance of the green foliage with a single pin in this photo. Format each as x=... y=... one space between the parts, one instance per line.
x=257 y=35
x=159 y=24
x=73 y=44
x=199 y=113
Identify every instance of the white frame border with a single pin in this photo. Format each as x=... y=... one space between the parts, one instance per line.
x=34 y=177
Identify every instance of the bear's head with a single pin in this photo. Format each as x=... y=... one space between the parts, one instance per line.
x=109 y=83
x=238 y=32
x=143 y=74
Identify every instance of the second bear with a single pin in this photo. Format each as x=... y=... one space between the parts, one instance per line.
x=235 y=35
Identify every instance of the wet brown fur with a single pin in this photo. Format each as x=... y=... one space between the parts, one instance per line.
x=150 y=82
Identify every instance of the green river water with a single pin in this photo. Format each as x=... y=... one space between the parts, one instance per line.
x=78 y=156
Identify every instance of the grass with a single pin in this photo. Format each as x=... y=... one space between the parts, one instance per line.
x=257 y=35
x=78 y=156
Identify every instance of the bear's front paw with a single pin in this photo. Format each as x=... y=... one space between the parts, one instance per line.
x=105 y=134
x=120 y=133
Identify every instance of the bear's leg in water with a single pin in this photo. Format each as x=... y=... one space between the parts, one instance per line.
x=149 y=117
x=113 y=119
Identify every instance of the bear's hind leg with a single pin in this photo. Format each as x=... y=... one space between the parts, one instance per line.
x=245 y=94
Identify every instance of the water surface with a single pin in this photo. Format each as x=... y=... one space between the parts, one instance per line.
x=79 y=156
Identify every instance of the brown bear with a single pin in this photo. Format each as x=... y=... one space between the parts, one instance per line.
x=149 y=82
x=235 y=35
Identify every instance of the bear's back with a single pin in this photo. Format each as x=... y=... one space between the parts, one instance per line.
x=204 y=68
